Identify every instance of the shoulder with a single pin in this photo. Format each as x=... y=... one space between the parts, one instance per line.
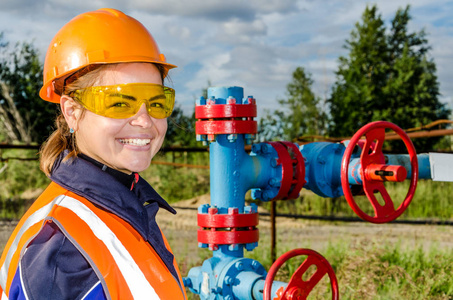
x=53 y=268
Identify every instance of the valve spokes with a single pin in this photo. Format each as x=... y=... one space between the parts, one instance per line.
x=374 y=172
x=298 y=287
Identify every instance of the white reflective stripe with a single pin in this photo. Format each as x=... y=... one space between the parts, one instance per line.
x=138 y=284
x=4 y=297
x=34 y=218
x=22 y=283
x=92 y=288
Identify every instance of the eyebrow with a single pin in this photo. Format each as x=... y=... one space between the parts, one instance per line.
x=160 y=96
x=123 y=96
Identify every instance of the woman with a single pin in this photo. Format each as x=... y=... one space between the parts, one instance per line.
x=92 y=234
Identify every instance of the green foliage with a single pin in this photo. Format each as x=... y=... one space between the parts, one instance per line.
x=30 y=119
x=301 y=114
x=179 y=183
x=374 y=270
x=386 y=77
x=20 y=182
x=431 y=201
x=181 y=130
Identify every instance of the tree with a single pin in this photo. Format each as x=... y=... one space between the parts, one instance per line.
x=301 y=114
x=386 y=77
x=24 y=116
x=358 y=90
x=181 y=129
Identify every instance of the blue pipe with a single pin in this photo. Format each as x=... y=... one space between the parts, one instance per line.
x=228 y=275
x=424 y=167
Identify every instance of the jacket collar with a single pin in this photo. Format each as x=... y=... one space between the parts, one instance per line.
x=137 y=207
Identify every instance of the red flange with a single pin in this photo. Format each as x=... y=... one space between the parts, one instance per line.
x=228 y=237
x=227 y=229
x=293 y=170
x=298 y=170
x=228 y=118
x=370 y=160
x=227 y=221
x=284 y=158
x=226 y=127
x=297 y=287
x=217 y=111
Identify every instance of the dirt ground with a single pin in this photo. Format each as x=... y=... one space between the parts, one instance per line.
x=181 y=231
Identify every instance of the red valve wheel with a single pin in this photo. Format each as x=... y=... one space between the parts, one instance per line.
x=375 y=135
x=298 y=288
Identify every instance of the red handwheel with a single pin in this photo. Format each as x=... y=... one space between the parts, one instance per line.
x=371 y=160
x=297 y=287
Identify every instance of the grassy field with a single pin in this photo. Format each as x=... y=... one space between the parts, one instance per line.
x=366 y=269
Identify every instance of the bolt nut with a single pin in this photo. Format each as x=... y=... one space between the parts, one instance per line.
x=231 y=100
x=256 y=148
x=204 y=208
x=213 y=247
x=274 y=182
x=239 y=266
x=201 y=101
x=232 y=137
x=265 y=147
x=228 y=280
x=255 y=265
x=233 y=210
x=274 y=162
x=256 y=193
x=233 y=247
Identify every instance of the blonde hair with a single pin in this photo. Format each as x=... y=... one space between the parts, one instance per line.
x=62 y=139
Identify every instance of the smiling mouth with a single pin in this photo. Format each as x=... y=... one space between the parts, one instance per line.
x=135 y=142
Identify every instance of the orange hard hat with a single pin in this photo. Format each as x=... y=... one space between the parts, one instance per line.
x=103 y=36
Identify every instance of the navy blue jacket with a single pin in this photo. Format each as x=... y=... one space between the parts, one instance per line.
x=53 y=268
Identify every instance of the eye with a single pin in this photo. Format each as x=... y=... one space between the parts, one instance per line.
x=120 y=104
x=157 y=104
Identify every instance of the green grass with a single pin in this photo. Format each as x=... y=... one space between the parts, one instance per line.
x=365 y=270
x=432 y=200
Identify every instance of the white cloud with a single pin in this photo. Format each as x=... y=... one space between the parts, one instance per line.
x=237 y=31
x=256 y=44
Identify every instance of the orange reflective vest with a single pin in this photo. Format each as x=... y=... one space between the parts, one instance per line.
x=126 y=264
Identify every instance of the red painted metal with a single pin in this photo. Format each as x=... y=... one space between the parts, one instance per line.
x=225 y=111
x=226 y=127
x=380 y=172
x=284 y=158
x=299 y=167
x=293 y=170
x=228 y=237
x=375 y=133
x=226 y=221
x=298 y=288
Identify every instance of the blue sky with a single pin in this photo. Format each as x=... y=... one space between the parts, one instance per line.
x=255 y=44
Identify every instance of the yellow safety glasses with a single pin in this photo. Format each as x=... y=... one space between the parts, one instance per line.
x=124 y=100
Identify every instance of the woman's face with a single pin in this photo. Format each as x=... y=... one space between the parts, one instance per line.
x=127 y=145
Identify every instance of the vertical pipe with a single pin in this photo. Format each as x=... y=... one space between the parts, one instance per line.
x=225 y=161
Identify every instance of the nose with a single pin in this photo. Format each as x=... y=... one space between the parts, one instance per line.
x=142 y=118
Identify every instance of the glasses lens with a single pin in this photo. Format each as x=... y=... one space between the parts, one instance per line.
x=124 y=100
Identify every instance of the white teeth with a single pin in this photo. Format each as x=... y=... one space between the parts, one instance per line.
x=135 y=142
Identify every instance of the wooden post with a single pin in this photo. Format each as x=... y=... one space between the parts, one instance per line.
x=273 y=229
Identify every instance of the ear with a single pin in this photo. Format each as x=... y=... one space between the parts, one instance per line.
x=71 y=111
